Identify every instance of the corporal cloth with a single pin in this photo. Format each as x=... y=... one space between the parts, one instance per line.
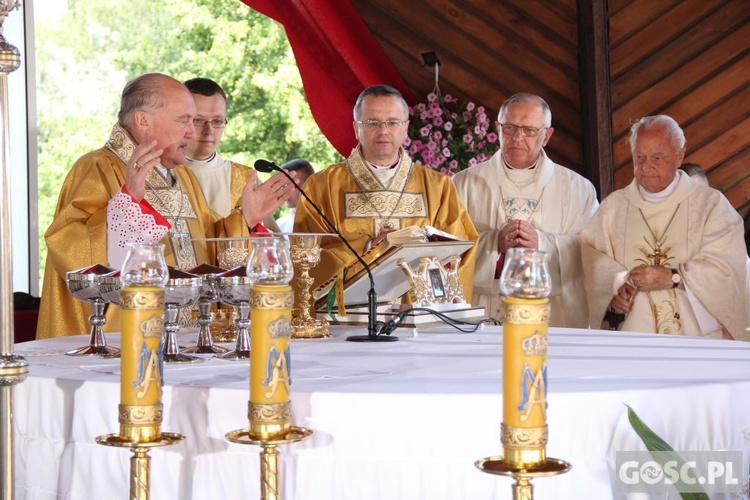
x=358 y=204
x=77 y=237
x=558 y=203
x=703 y=241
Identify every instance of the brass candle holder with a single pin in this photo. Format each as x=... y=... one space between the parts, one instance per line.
x=269 y=270
x=142 y=301
x=305 y=253
x=525 y=283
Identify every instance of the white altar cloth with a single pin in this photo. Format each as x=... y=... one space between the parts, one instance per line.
x=403 y=420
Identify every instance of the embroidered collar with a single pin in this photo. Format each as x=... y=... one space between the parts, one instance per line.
x=367 y=180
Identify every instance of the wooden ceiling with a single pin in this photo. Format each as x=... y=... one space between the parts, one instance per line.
x=686 y=58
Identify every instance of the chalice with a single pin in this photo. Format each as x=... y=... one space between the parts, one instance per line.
x=231 y=252
x=182 y=289
x=83 y=284
x=208 y=295
x=305 y=254
x=233 y=289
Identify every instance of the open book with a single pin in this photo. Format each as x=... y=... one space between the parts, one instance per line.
x=416 y=234
x=411 y=244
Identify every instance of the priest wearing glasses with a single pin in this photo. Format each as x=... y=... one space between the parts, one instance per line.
x=137 y=189
x=521 y=198
x=665 y=253
x=379 y=189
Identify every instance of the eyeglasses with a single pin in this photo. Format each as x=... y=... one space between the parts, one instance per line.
x=510 y=129
x=217 y=123
x=376 y=124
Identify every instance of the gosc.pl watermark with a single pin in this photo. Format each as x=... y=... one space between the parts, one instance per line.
x=687 y=471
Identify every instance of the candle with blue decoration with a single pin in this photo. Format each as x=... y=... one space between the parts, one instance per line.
x=525 y=284
x=269 y=269
x=144 y=275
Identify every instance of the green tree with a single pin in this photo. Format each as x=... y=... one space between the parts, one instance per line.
x=82 y=71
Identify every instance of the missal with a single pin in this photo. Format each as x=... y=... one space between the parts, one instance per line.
x=410 y=244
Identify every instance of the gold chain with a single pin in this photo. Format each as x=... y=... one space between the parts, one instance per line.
x=658 y=241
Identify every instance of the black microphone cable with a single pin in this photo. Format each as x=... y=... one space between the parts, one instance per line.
x=394 y=323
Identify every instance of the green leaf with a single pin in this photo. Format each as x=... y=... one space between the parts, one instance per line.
x=655 y=443
x=331 y=300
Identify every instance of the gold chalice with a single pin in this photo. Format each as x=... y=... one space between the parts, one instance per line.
x=305 y=252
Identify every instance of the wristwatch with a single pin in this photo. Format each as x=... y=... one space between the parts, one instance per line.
x=676 y=278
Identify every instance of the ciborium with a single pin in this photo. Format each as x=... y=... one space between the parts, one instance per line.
x=305 y=253
x=83 y=285
x=525 y=284
x=233 y=289
x=208 y=296
x=182 y=290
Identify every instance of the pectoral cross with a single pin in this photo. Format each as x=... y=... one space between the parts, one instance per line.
x=182 y=237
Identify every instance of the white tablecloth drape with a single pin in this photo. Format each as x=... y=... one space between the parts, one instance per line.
x=403 y=420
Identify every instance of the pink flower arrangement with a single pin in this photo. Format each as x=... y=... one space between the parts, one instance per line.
x=449 y=135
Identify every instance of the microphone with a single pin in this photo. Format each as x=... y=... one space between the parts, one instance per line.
x=372 y=297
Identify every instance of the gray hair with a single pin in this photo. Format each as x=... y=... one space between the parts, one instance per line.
x=658 y=122
x=143 y=92
x=526 y=97
x=380 y=90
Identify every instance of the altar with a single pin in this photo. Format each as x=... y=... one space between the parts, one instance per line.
x=401 y=420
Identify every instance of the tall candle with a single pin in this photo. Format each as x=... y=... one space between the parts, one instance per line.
x=141 y=363
x=524 y=430
x=270 y=315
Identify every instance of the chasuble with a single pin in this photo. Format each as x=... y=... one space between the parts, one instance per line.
x=77 y=237
x=694 y=230
x=557 y=202
x=359 y=205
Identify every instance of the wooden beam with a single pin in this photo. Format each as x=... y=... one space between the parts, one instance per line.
x=596 y=109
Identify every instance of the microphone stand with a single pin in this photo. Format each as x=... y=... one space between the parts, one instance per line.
x=372 y=296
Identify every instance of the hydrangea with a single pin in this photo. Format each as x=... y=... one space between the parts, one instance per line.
x=449 y=135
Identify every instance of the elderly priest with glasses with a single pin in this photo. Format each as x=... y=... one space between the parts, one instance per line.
x=665 y=254
x=521 y=198
x=137 y=188
x=378 y=189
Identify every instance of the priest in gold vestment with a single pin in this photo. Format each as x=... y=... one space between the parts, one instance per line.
x=137 y=189
x=378 y=189
x=665 y=252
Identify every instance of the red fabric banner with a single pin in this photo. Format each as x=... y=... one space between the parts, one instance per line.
x=337 y=57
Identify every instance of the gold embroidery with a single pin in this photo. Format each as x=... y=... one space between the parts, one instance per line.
x=664 y=311
x=655 y=255
x=379 y=202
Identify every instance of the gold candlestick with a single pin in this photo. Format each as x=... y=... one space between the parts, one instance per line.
x=144 y=275
x=269 y=408
x=305 y=252
x=525 y=281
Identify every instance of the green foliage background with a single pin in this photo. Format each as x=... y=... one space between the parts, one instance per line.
x=89 y=50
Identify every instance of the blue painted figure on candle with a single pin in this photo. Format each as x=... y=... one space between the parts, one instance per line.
x=279 y=363
x=534 y=391
x=150 y=369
